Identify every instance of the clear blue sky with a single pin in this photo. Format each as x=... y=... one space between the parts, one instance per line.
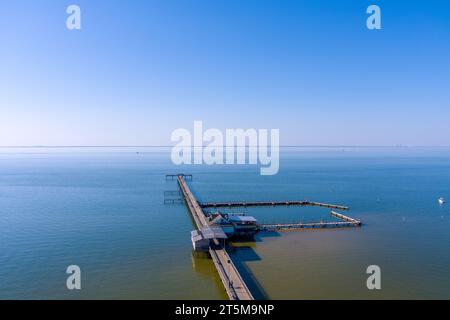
x=140 y=69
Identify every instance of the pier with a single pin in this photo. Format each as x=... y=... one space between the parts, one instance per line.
x=231 y=279
x=345 y=222
x=210 y=237
x=172 y=197
x=345 y=218
x=311 y=225
x=175 y=176
x=271 y=203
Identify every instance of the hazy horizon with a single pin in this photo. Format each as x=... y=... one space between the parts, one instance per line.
x=281 y=146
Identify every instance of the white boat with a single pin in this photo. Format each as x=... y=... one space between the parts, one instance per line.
x=441 y=201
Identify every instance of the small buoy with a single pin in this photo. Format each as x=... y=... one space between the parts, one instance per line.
x=441 y=201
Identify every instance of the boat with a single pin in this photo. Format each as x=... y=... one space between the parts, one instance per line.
x=441 y=201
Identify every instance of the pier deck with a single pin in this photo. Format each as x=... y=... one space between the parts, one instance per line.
x=270 y=204
x=345 y=221
x=345 y=218
x=310 y=225
x=231 y=279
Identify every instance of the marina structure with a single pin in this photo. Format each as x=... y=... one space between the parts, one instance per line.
x=213 y=229
x=235 y=225
x=345 y=221
x=271 y=204
x=231 y=279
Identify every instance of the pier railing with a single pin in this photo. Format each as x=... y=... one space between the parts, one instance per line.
x=270 y=204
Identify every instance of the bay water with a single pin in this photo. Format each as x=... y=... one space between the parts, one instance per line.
x=103 y=210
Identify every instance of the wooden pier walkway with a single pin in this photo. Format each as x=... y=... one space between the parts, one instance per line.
x=345 y=218
x=231 y=279
x=346 y=221
x=310 y=225
x=270 y=203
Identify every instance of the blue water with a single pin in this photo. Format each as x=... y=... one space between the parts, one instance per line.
x=103 y=209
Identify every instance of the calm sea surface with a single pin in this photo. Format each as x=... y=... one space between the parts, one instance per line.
x=103 y=209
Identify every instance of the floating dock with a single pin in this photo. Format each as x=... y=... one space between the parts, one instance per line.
x=231 y=279
x=270 y=204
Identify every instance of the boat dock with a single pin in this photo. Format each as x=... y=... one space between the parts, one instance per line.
x=270 y=204
x=345 y=218
x=345 y=222
x=210 y=236
x=231 y=279
x=311 y=225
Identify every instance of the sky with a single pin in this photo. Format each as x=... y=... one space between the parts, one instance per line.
x=138 y=70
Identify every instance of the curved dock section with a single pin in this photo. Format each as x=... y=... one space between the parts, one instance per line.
x=231 y=279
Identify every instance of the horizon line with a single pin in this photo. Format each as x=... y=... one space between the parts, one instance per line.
x=169 y=146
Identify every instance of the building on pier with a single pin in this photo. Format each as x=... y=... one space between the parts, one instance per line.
x=234 y=225
x=244 y=225
x=201 y=239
